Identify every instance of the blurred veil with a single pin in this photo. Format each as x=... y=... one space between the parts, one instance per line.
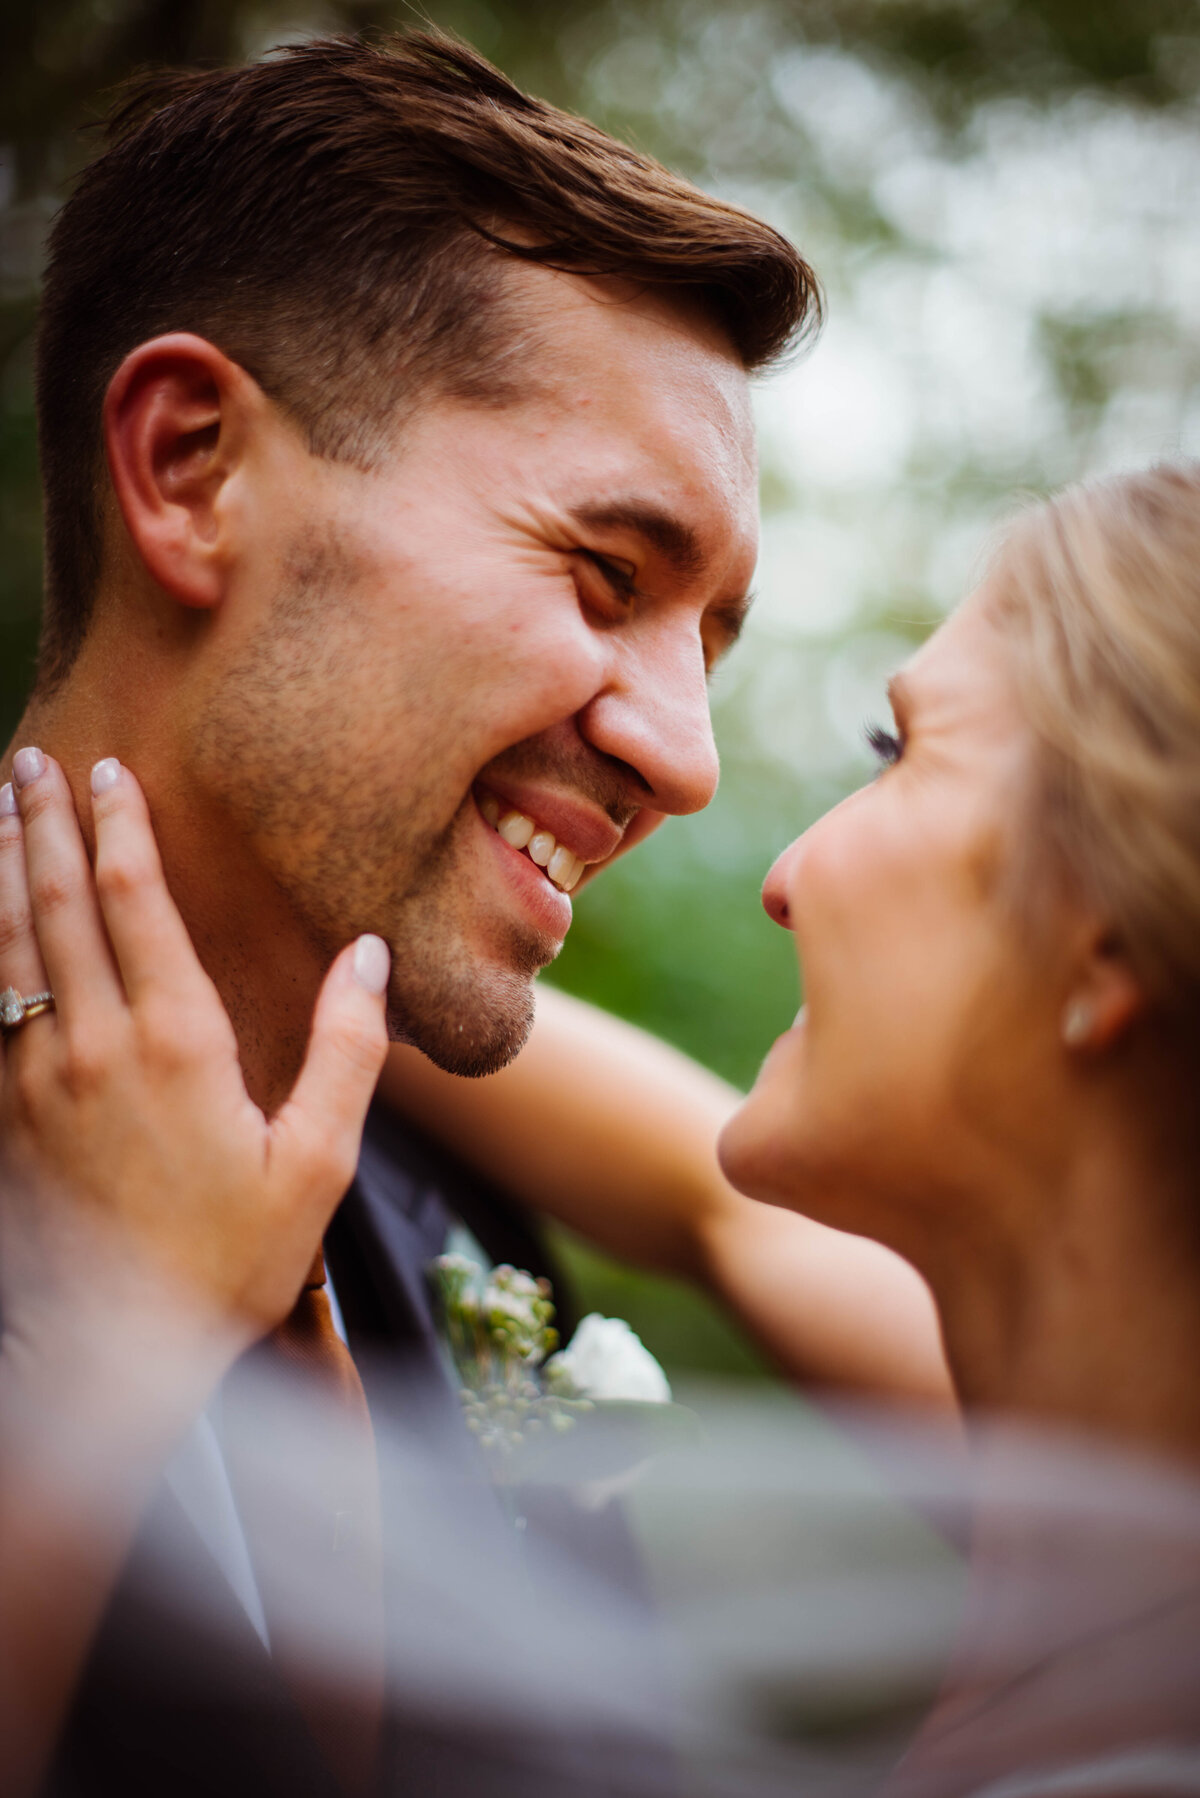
x=798 y=1601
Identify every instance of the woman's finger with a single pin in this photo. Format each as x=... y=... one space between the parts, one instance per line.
x=66 y=914
x=21 y=964
x=149 y=938
x=320 y=1127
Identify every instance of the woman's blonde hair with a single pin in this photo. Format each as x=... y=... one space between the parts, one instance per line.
x=1099 y=592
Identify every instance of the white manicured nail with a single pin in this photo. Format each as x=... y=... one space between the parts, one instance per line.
x=28 y=765
x=105 y=775
x=372 y=963
x=8 y=800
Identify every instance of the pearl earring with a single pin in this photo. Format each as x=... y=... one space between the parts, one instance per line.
x=1077 y=1022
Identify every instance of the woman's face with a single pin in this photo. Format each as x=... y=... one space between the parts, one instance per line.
x=928 y=1047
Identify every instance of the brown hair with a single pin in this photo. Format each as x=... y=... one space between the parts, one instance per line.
x=331 y=218
x=1099 y=590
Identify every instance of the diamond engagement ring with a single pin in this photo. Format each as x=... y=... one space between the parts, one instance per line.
x=15 y=1011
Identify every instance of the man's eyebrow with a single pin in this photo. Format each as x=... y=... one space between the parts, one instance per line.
x=675 y=541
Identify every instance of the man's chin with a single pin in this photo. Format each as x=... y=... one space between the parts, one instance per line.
x=473 y=1029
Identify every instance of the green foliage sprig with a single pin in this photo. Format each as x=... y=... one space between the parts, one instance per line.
x=500 y=1329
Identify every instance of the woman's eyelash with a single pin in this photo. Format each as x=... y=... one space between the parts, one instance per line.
x=884 y=743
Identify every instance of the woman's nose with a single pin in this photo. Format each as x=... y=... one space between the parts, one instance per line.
x=774 y=893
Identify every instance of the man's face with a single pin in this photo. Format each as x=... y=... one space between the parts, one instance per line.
x=515 y=614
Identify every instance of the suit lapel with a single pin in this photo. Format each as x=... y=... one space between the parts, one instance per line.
x=179 y=1695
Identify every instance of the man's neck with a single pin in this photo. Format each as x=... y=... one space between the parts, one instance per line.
x=245 y=933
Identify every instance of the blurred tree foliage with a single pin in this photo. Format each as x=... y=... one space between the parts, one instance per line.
x=976 y=181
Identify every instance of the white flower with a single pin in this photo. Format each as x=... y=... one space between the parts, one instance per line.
x=607 y=1361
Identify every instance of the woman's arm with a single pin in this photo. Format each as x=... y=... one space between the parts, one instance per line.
x=612 y=1132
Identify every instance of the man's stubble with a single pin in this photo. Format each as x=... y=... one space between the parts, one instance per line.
x=353 y=841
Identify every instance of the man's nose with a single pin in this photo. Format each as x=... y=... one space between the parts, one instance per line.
x=654 y=716
x=774 y=893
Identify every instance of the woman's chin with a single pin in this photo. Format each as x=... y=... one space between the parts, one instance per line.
x=753 y=1148
x=736 y=1152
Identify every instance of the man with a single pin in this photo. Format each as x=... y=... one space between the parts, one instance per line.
x=400 y=494
x=395 y=517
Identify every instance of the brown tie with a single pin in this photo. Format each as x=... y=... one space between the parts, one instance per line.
x=331 y=1531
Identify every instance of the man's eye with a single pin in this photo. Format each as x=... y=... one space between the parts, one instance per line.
x=610 y=588
x=885 y=744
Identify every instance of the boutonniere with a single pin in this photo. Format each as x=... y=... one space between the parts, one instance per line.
x=522 y=1394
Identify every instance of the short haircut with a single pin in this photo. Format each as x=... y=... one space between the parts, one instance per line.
x=332 y=218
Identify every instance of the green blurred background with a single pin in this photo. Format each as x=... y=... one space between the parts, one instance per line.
x=1002 y=198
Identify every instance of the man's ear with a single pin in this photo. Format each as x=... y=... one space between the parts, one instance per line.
x=175 y=425
x=1106 y=999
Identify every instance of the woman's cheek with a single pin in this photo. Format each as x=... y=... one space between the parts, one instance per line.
x=831 y=881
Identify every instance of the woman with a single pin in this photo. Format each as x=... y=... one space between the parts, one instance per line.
x=992 y=1076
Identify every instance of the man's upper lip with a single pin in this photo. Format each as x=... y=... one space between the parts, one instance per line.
x=578 y=824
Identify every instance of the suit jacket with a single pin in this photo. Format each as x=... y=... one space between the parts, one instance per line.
x=179 y=1698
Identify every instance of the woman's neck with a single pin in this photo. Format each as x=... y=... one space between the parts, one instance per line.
x=1092 y=1319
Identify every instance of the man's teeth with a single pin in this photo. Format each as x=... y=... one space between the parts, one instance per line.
x=516 y=829
x=564 y=869
x=561 y=866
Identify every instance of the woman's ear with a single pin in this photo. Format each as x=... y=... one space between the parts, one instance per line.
x=175 y=428
x=1106 y=999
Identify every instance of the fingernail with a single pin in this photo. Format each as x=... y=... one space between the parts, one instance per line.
x=372 y=963
x=105 y=775
x=8 y=800
x=27 y=765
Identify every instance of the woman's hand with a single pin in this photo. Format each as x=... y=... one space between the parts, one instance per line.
x=153 y=1222
x=144 y=1170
